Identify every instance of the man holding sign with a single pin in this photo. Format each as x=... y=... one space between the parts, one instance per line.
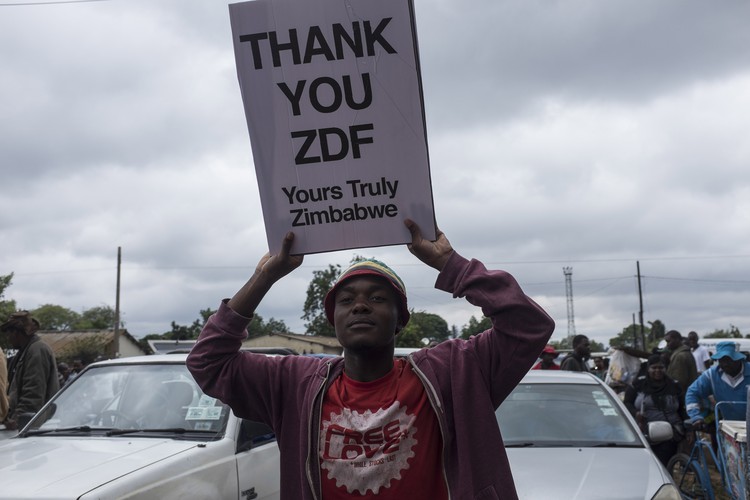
x=367 y=424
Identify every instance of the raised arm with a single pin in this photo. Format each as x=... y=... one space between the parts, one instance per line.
x=241 y=379
x=270 y=269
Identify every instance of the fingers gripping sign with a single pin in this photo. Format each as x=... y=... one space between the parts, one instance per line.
x=433 y=253
x=279 y=265
x=270 y=269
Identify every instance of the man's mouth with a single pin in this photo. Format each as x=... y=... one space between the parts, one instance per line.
x=360 y=322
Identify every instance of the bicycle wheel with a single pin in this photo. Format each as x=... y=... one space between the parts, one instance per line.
x=687 y=476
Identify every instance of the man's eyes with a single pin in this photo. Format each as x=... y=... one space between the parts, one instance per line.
x=373 y=298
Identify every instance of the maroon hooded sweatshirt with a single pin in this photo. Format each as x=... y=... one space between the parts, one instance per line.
x=465 y=380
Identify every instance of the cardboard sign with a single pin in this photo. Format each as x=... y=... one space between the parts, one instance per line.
x=333 y=101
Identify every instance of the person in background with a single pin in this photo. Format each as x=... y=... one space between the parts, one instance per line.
x=601 y=366
x=77 y=367
x=367 y=424
x=681 y=366
x=547 y=361
x=63 y=373
x=576 y=361
x=655 y=397
x=32 y=373
x=3 y=385
x=700 y=353
x=725 y=381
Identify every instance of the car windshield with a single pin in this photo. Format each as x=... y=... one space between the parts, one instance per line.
x=572 y=415
x=133 y=397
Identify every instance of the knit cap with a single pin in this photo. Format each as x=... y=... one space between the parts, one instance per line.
x=370 y=267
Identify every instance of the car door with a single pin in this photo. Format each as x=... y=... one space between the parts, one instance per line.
x=257 y=460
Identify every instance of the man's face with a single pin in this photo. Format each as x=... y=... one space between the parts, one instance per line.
x=584 y=348
x=365 y=314
x=548 y=357
x=673 y=342
x=692 y=341
x=16 y=338
x=730 y=366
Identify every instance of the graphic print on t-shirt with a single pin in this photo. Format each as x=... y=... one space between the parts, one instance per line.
x=366 y=451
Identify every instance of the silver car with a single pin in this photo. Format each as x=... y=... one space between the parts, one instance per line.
x=568 y=436
x=139 y=428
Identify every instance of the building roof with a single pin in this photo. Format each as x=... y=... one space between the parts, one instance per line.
x=59 y=341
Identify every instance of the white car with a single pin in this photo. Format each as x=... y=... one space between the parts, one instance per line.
x=569 y=437
x=139 y=428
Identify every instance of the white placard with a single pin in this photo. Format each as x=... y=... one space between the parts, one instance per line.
x=333 y=100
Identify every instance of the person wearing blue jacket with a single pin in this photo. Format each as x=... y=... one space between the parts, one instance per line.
x=726 y=381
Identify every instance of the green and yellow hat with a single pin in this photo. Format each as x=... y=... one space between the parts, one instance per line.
x=369 y=268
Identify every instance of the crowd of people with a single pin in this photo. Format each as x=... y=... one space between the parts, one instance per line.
x=676 y=384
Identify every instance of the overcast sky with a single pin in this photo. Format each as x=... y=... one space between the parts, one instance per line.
x=583 y=133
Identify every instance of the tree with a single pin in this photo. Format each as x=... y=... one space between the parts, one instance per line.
x=630 y=336
x=7 y=307
x=96 y=318
x=732 y=333
x=423 y=328
x=54 y=317
x=566 y=344
x=475 y=326
x=314 y=311
x=86 y=349
x=258 y=327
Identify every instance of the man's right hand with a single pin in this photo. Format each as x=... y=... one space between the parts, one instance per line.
x=277 y=266
x=269 y=270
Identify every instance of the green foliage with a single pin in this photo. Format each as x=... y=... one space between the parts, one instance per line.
x=258 y=327
x=86 y=349
x=7 y=307
x=54 y=317
x=96 y=318
x=313 y=310
x=423 y=327
x=475 y=326
x=566 y=344
x=630 y=336
x=732 y=333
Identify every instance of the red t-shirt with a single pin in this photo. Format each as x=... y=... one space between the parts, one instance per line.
x=380 y=438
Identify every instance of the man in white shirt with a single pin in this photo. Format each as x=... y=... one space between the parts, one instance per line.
x=700 y=353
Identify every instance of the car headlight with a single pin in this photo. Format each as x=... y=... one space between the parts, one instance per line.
x=667 y=492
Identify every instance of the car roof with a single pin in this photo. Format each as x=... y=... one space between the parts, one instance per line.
x=178 y=357
x=559 y=377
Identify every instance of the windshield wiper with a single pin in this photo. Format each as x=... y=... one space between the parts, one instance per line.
x=521 y=445
x=616 y=445
x=38 y=432
x=167 y=430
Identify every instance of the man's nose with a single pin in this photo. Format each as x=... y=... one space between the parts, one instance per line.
x=361 y=305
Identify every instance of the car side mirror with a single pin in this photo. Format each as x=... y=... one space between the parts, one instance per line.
x=659 y=431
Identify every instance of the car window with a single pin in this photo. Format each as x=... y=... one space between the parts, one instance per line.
x=563 y=415
x=134 y=396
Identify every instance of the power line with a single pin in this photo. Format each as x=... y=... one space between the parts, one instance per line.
x=24 y=4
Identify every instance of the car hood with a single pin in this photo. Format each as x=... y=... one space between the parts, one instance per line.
x=66 y=467
x=586 y=473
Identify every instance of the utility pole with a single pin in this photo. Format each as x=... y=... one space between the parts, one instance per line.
x=640 y=300
x=117 y=306
x=568 y=272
